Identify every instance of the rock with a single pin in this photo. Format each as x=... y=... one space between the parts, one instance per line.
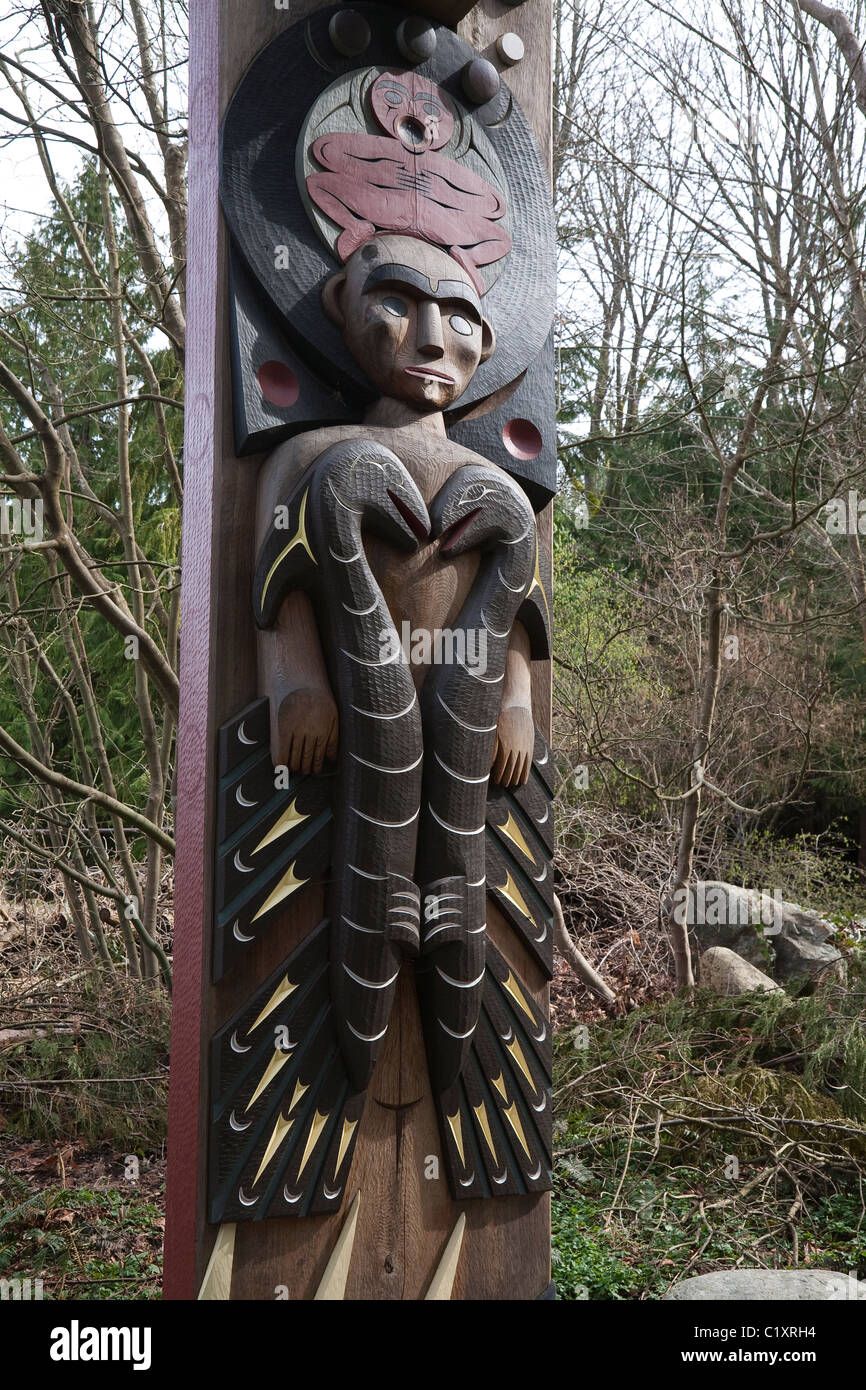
x=803 y=945
x=727 y=973
x=764 y=1285
x=777 y=936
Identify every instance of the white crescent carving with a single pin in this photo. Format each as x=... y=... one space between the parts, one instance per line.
x=241 y=799
x=452 y=1034
x=236 y=1046
x=236 y=1124
x=364 y=1037
x=238 y=934
x=251 y=743
x=292 y=1196
x=246 y=1201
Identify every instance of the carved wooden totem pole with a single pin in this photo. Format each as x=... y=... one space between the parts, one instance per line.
x=361 y=1055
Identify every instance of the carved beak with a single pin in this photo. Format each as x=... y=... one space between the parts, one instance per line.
x=415 y=524
x=452 y=533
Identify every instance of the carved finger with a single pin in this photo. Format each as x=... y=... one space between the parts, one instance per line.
x=318 y=756
x=504 y=759
x=333 y=740
x=292 y=753
x=308 y=754
x=499 y=760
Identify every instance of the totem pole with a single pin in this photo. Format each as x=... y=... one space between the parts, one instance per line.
x=361 y=1053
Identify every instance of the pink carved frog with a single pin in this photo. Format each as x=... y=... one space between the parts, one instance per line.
x=397 y=183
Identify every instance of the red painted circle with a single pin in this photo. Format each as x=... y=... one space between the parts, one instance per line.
x=522 y=439
x=279 y=384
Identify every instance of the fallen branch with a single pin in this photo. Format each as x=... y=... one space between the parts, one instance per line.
x=578 y=962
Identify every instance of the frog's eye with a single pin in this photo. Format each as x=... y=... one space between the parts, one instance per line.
x=461 y=325
x=395 y=306
x=431 y=109
x=392 y=97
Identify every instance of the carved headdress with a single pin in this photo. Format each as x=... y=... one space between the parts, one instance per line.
x=463 y=175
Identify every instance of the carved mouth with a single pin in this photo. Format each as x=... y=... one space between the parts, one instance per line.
x=411 y=132
x=429 y=371
x=453 y=532
x=414 y=522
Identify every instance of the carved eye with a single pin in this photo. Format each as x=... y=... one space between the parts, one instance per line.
x=474 y=493
x=431 y=109
x=461 y=325
x=395 y=306
x=393 y=98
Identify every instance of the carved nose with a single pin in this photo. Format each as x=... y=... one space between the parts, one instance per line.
x=430 y=340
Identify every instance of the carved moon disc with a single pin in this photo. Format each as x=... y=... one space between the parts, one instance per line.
x=416 y=40
x=510 y=49
x=349 y=32
x=480 y=80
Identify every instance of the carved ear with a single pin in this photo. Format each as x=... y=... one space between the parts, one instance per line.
x=332 y=299
x=488 y=339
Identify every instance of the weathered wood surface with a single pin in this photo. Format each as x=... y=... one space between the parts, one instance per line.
x=404 y=1221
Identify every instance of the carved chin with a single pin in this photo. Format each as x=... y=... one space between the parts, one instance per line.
x=426 y=392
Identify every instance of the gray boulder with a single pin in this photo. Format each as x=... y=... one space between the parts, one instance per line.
x=725 y=972
x=766 y=1285
x=779 y=937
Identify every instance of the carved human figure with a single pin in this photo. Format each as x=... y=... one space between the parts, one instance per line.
x=411 y=317
x=397 y=183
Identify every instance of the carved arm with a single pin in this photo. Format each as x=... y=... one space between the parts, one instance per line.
x=515 y=735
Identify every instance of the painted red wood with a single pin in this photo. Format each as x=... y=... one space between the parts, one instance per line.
x=193 y=858
x=411 y=189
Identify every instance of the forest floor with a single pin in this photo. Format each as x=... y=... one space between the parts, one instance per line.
x=687 y=1137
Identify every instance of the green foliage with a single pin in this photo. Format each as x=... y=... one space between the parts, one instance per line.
x=651 y=1114
x=83 y=1244
x=105 y=1085
x=65 y=322
x=815 y=870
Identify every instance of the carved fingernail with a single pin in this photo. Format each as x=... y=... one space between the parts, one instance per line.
x=349 y=32
x=510 y=49
x=480 y=80
x=416 y=40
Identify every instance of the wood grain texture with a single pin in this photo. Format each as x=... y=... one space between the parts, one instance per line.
x=405 y=1219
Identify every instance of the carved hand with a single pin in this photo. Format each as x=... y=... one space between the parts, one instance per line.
x=515 y=740
x=307 y=729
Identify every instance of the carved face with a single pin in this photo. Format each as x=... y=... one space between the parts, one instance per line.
x=413 y=110
x=412 y=319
